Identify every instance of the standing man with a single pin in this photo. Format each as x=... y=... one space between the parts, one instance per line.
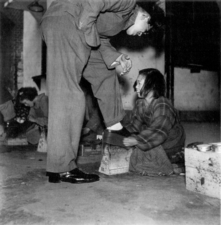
x=77 y=36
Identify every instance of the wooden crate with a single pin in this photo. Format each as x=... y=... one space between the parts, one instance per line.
x=203 y=172
x=115 y=160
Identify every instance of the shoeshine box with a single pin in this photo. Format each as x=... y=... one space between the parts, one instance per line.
x=115 y=160
x=203 y=172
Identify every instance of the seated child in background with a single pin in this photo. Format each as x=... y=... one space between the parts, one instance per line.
x=38 y=113
x=156 y=132
x=38 y=104
x=17 y=127
x=30 y=115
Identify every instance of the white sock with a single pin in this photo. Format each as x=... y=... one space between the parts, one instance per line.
x=116 y=126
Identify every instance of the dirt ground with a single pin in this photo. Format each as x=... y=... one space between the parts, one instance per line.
x=26 y=197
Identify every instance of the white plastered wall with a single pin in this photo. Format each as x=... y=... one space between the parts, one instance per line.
x=140 y=60
x=196 y=91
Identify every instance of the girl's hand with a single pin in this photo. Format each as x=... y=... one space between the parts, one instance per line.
x=130 y=141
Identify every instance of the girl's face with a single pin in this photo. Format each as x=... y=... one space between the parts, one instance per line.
x=139 y=85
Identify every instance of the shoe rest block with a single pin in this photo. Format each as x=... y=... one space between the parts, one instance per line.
x=115 y=160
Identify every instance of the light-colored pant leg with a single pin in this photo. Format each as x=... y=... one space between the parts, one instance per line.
x=67 y=54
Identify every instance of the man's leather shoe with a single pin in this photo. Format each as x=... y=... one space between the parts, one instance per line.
x=74 y=176
x=82 y=177
x=115 y=137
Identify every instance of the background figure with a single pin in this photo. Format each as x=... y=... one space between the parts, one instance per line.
x=38 y=104
x=38 y=114
x=21 y=110
x=17 y=127
x=7 y=111
x=77 y=34
x=156 y=131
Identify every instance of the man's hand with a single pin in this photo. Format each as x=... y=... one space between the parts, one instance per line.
x=123 y=64
x=126 y=64
x=130 y=141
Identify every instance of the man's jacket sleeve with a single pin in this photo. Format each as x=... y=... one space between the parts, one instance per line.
x=90 y=12
x=108 y=52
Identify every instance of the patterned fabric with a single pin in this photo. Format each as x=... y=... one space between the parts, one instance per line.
x=21 y=110
x=156 y=124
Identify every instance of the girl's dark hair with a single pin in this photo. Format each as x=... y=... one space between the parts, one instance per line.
x=28 y=93
x=157 y=14
x=154 y=81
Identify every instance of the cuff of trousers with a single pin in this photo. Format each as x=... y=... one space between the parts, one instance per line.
x=116 y=120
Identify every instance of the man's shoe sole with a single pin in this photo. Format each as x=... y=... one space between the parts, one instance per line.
x=77 y=180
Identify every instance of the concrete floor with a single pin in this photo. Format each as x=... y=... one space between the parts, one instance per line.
x=27 y=197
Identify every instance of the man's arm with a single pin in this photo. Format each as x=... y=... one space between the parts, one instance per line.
x=112 y=58
x=108 y=53
x=92 y=9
